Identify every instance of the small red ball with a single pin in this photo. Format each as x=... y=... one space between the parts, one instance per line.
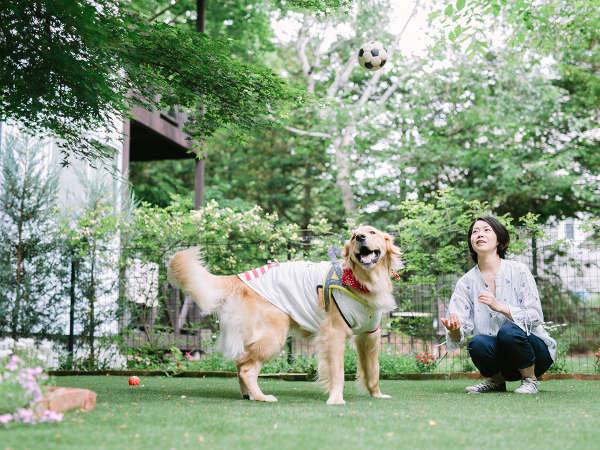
x=134 y=381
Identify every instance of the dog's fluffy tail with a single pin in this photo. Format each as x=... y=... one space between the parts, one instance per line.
x=187 y=273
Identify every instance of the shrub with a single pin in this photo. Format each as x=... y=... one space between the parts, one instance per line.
x=426 y=362
x=556 y=331
x=391 y=364
x=21 y=389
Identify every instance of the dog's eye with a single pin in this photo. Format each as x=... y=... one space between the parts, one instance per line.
x=372 y=232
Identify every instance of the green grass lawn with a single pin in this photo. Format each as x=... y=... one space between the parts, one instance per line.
x=208 y=413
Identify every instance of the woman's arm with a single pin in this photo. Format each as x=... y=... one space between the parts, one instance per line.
x=460 y=306
x=487 y=298
x=527 y=314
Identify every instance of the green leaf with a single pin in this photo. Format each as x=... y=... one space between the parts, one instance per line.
x=448 y=11
x=460 y=4
x=457 y=31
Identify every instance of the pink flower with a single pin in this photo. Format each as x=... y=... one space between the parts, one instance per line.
x=5 y=418
x=14 y=362
x=50 y=416
x=25 y=415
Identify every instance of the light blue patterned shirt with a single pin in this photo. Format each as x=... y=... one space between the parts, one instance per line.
x=515 y=286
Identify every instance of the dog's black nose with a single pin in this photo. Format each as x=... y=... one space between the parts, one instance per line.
x=361 y=237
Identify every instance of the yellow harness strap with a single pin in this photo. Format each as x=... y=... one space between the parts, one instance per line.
x=333 y=280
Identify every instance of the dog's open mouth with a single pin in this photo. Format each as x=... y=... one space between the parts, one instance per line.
x=367 y=257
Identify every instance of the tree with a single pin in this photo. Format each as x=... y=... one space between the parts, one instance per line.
x=567 y=31
x=519 y=129
x=282 y=172
x=90 y=243
x=351 y=99
x=27 y=239
x=494 y=129
x=271 y=167
x=70 y=67
x=246 y=25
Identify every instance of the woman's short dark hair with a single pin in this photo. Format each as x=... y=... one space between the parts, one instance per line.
x=501 y=234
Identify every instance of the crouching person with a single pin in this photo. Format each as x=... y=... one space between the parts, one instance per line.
x=498 y=302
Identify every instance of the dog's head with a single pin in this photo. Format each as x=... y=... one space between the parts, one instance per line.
x=369 y=249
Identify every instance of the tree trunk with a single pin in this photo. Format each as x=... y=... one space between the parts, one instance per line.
x=70 y=343
x=19 y=278
x=200 y=159
x=534 y=256
x=91 y=300
x=342 y=156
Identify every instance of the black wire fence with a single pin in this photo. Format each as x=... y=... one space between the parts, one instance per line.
x=134 y=307
x=568 y=282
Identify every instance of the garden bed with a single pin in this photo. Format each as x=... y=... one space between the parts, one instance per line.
x=304 y=376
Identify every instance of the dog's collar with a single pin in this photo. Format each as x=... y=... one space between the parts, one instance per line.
x=349 y=280
x=335 y=280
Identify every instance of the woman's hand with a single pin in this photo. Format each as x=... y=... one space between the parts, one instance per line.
x=451 y=324
x=487 y=298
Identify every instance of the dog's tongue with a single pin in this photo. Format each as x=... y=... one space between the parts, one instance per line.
x=367 y=259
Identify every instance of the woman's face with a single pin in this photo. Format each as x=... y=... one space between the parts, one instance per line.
x=483 y=238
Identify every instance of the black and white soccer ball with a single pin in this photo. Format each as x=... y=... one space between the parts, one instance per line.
x=372 y=55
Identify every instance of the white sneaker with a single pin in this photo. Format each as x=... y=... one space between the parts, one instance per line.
x=487 y=386
x=528 y=386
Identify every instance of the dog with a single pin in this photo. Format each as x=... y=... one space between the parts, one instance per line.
x=330 y=301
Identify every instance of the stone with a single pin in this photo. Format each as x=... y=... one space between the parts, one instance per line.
x=61 y=399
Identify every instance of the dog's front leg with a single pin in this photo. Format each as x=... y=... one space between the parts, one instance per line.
x=367 y=346
x=331 y=344
x=335 y=361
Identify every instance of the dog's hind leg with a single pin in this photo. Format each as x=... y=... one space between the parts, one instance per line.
x=367 y=346
x=243 y=387
x=248 y=378
x=248 y=369
x=267 y=340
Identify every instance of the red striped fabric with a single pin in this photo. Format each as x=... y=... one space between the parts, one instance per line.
x=256 y=273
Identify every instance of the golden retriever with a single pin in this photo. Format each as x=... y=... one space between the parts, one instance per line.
x=308 y=298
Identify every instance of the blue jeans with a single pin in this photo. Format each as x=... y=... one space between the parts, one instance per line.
x=507 y=352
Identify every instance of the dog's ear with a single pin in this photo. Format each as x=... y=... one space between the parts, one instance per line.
x=346 y=251
x=393 y=254
x=347 y=244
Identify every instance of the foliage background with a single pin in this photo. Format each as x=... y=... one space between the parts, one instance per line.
x=499 y=116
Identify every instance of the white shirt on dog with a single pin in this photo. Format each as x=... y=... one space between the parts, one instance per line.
x=292 y=287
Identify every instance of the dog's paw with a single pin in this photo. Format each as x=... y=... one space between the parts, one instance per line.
x=335 y=401
x=268 y=398
x=380 y=395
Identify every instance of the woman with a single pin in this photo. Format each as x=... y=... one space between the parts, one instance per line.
x=497 y=301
